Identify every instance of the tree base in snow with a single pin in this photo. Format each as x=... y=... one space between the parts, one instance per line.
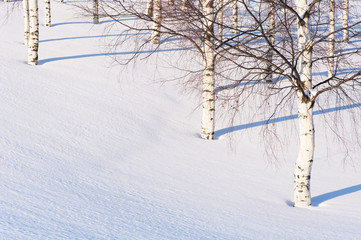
x=207 y=136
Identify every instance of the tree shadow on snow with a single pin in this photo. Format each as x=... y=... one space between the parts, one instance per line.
x=224 y=131
x=43 y=61
x=105 y=21
x=316 y=201
x=94 y=36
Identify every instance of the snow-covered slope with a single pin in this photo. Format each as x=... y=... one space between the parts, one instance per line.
x=93 y=152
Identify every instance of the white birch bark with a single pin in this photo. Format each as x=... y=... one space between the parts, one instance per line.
x=157 y=13
x=34 y=33
x=345 y=21
x=331 y=38
x=184 y=5
x=149 y=10
x=220 y=20
x=47 y=14
x=208 y=94
x=96 y=11
x=26 y=22
x=271 y=25
x=302 y=174
x=235 y=17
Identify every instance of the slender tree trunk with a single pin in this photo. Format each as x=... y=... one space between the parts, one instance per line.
x=235 y=17
x=157 y=12
x=34 y=33
x=345 y=21
x=149 y=11
x=96 y=11
x=331 y=38
x=26 y=22
x=271 y=24
x=208 y=95
x=220 y=20
x=47 y=13
x=184 y=5
x=302 y=175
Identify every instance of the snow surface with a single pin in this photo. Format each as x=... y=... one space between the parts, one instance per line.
x=89 y=151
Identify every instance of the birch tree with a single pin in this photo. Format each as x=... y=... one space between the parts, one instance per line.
x=96 y=11
x=220 y=20
x=271 y=26
x=302 y=175
x=331 y=37
x=157 y=14
x=26 y=22
x=208 y=95
x=150 y=7
x=345 y=21
x=33 y=33
x=235 y=16
x=47 y=13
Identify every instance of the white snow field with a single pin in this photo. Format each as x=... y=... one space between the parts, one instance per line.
x=88 y=151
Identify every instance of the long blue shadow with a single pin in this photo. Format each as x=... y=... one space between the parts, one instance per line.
x=68 y=23
x=339 y=72
x=224 y=131
x=247 y=83
x=95 y=36
x=275 y=80
x=316 y=201
x=105 y=21
x=43 y=61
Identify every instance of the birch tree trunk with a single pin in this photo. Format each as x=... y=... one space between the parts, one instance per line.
x=184 y=5
x=34 y=33
x=96 y=11
x=157 y=12
x=345 y=21
x=302 y=175
x=47 y=14
x=271 y=24
x=26 y=22
x=235 y=17
x=220 y=20
x=149 y=11
x=208 y=94
x=331 y=38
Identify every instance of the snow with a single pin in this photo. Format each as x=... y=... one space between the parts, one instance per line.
x=91 y=151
